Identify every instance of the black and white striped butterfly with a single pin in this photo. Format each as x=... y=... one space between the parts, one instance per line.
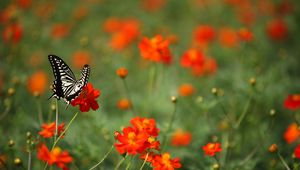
x=66 y=85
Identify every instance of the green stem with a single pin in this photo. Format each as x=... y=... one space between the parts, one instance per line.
x=63 y=132
x=169 y=127
x=129 y=164
x=128 y=95
x=109 y=151
x=241 y=118
x=283 y=161
x=40 y=113
x=56 y=120
x=29 y=161
x=121 y=161
x=141 y=168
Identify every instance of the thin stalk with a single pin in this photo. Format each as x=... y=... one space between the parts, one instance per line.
x=141 y=168
x=121 y=161
x=283 y=161
x=40 y=113
x=63 y=132
x=56 y=120
x=129 y=164
x=104 y=157
x=241 y=118
x=128 y=95
x=29 y=161
x=169 y=127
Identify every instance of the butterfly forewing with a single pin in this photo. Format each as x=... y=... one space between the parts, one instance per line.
x=65 y=84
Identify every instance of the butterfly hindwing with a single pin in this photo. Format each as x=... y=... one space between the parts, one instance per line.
x=65 y=84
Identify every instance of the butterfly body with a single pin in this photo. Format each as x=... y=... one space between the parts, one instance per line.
x=66 y=85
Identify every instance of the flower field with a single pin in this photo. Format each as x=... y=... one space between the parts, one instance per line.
x=149 y=84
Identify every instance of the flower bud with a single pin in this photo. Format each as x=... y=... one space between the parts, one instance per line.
x=18 y=161
x=122 y=72
x=252 y=81
x=273 y=148
x=11 y=91
x=214 y=91
x=11 y=143
x=174 y=99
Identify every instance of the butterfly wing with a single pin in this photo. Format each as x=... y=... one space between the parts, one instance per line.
x=76 y=90
x=64 y=77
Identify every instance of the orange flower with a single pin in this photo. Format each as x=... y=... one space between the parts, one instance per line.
x=277 y=29
x=209 y=67
x=292 y=102
x=80 y=12
x=56 y=156
x=164 y=162
x=49 y=130
x=186 y=89
x=228 y=37
x=245 y=35
x=122 y=72
x=292 y=133
x=24 y=3
x=192 y=58
x=80 y=58
x=87 y=98
x=153 y=5
x=297 y=151
x=145 y=124
x=124 y=32
x=273 y=148
x=12 y=33
x=181 y=138
x=60 y=31
x=124 y=104
x=203 y=35
x=37 y=82
x=131 y=141
x=212 y=148
x=8 y=13
x=155 y=49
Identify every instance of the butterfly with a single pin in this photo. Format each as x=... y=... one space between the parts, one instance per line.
x=66 y=85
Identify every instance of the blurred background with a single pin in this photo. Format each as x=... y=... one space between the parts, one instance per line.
x=249 y=52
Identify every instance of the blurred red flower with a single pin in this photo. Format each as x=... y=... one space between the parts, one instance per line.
x=292 y=133
x=132 y=141
x=181 y=138
x=210 y=67
x=123 y=32
x=186 y=89
x=49 y=129
x=37 y=82
x=228 y=37
x=87 y=98
x=164 y=162
x=122 y=72
x=153 y=5
x=212 y=148
x=8 y=13
x=124 y=104
x=285 y=7
x=80 y=58
x=155 y=49
x=203 y=35
x=297 y=151
x=12 y=33
x=55 y=156
x=292 y=102
x=24 y=3
x=60 y=31
x=192 y=58
x=277 y=29
x=145 y=124
x=245 y=35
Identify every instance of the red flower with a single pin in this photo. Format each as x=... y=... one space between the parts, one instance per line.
x=164 y=162
x=204 y=34
x=144 y=124
x=155 y=49
x=153 y=5
x=60 y=31
x=181 y=138
x=124 y=32
x=245 y=35
x=292 y=133
x=297 y=151
x=12 y=33
x=192 y=58
x=228 y=37
x=292 y=102
x=87 y=98
x=56 y=156
x=277 y=29
x=49 y=130
x=212 y=148
x=131 y=141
